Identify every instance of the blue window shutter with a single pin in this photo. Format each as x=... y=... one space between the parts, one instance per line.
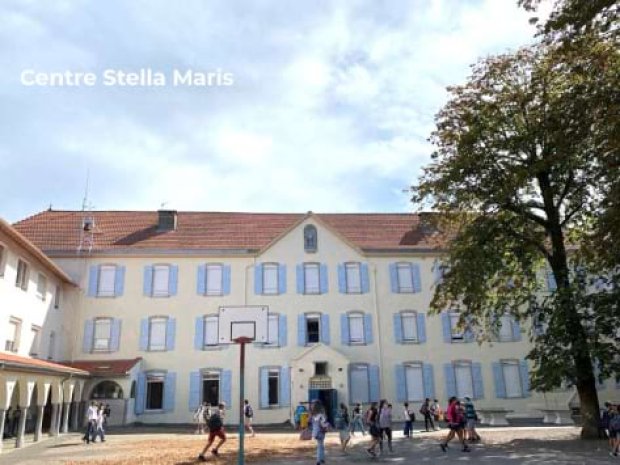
x=375 y=390
x=144 y=334
x=450 y=380
x=301 y=330
x=195 y=380
x=394 y=278
x=476 y=372
x=417 y=279
x=323 y=279
x=285 y=387
x=344 y=329
x=429 y=381
x=421 y=328
x=342 y=279
x=93 y=280
x=282 y=334
x=140 y=394
x=170 y=385
x=147 y=285
x=227 y=387
x=365 y=278
x=525 y=378
x=258 y=279
x=401 y=383
x=89 y=332
x=516 y=330
x=226 y=280
x=398 y=328
x=325 y=328
x=264 y=387
x=170 y=333
x=551 y=284
x=115 y=335
x=368 y=328
x=299 y=275
x=468 y=334
x=437 y=272
x=173 y=280
x=201 y=280
x=199 y=333
x=498 y=380
x=447 y=328
x=119 y=282
x=281 y=278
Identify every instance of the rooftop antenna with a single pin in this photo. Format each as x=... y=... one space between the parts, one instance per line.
x=87 y=228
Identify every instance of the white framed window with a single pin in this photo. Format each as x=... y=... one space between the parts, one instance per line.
x=36 y=340
x=157 y=333
x=356 y=328
x=155 y=391
x=14 y=335
x=211 y=330
x=21 y=280
x=457 y=333
x=405 y=277
x=51 y=346
x=161 y=280
x=359 y=383
x=102 y=334
x=3 y=254
x=107 y=279
x=313 y=328
x=273 y=330
x=270 y=278
x=57 y=296
x=464 y=379
x=211 y=387
x=273 y=381
x=505 y=328
x=42 y=287
x=511 y=371
x=353 y=276
x=414 y=379
x=409 y=323
x=215 y=279
x=311 y=278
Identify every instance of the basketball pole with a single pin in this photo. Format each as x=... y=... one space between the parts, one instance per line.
x=241 y=341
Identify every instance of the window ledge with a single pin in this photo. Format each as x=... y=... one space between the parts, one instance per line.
x=260 y=345
x=410 y=342
x=214 y=348
x=154 y=411
x=105 y=296
x=156 y=350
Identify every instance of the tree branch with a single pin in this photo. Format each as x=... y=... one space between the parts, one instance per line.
x=527 y=214
x=567 y=186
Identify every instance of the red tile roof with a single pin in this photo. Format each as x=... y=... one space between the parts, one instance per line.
x=33 y=364
x=59 y=231
x=105 y=367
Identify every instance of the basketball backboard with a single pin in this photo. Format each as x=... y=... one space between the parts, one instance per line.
x=243 y=321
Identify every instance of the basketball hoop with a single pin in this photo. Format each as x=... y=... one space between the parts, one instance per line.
x=243 y=340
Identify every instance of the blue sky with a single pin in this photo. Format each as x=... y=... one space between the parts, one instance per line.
x=330 y=108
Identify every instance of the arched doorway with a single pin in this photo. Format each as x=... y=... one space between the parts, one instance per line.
x=111 y=395
x=106 y=390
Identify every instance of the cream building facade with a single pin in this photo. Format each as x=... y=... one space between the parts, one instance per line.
x=348 y=297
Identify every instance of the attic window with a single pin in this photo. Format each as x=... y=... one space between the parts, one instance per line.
x=310 y=239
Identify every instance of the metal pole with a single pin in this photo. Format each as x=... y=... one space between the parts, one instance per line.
x=241 y=403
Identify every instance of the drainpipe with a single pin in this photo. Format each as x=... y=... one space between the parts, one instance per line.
x=379 y=332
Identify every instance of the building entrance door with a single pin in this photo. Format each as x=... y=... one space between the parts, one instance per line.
x=329 y=400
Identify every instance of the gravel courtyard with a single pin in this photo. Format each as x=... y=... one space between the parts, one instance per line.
x=531 y=446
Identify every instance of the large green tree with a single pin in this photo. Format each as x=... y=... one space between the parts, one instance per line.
x=523 y=169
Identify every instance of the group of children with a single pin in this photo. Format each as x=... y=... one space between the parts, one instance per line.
x=97 y=415
x=461 y=418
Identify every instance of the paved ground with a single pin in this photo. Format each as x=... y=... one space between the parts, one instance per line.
x=500 y=446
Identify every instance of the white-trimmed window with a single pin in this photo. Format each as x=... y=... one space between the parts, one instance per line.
x=14 y=333
x=36 y=340
x=102 y=334
x=273 y=330
x=409 y=324
x=3 y=254
x=214 y=279
x=211 y=387
x=505 y=328
x=311 y=278
x=464 y=379
x=42 y=287
x=21 y=280
x=313 y=328
x=353 y=275
x=456 y=332
x=155 y=391
x=157 y=333
x=161 y=280
x=107 y=279
x=404 y=275
x=211 y=330
x=414 y=380
x=511 y=371
x=356 y=328
x=359 y=383
x=57 y=296
x=273 y=386
x=51 y=346
x=270 y=278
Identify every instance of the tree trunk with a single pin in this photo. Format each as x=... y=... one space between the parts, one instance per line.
x=589 y=409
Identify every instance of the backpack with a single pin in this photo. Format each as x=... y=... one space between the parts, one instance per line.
x=614 y=422
x=215 y=422
x=248 y=411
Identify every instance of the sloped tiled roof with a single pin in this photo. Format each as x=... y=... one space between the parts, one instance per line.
x=59 y=231
x=33 y=364
x=105 y=367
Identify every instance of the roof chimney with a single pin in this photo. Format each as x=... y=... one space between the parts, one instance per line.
x=167 y=220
